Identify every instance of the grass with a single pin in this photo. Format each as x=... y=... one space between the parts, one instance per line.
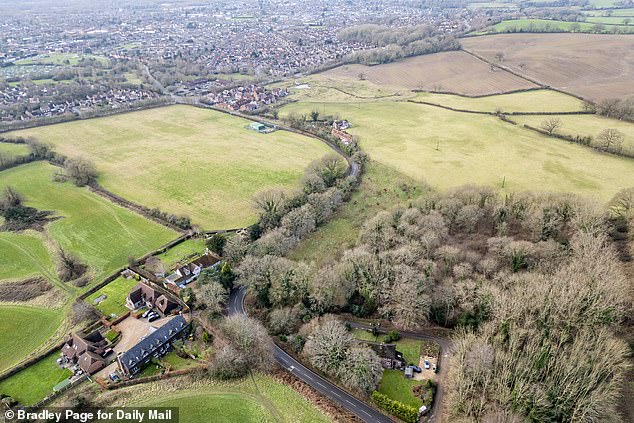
x=411 y=348
x=448 y=149
x=382 y=188
x=584 y=125
x=12 y=151
x=23 y=255
x=177 y=363
x=70 y=59
x=100 y=233
x=34 y=383
x=23 y=329
x=395 y=385
x=116 y=292
x=547 y=25
x=528 y=101
x=611 y=20
x=182 y=252
x=235 y=401
x=186 y=160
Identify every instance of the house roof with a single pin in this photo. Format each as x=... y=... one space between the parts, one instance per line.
x=147 y=346
x=90 y=362
x=145 y=292
x=79 y=343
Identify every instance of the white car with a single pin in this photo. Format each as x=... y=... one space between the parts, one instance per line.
x=427 y=365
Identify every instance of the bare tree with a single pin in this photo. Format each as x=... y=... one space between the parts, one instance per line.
x=80 y=171
x=68 y=266
x=611 y=140
x=214 y=296
x=551 y=125
x=499 y=57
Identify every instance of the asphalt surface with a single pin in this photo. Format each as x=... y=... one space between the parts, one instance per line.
x=328 y=389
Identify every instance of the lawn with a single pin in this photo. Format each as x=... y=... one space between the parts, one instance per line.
x=411 y=348
x=100 y=233
x=584 y=125
x=234 y=401
x=32 y=384
x=23 y=255
x=382 y=188
x=184 y=251
x=448 y=149
x=11 y=151
x=395 y=385
x=186 y=160
x=69 y=59
x=528 y=101
x=116 y=292
x=23 y=329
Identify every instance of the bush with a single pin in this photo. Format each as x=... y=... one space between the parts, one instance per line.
x=398 y=409
x=216 y=243
x=392 y=336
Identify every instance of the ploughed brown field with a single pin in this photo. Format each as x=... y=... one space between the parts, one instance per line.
x=592 y=66
x=453 y=71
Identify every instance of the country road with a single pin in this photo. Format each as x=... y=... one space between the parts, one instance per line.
x=328 y=389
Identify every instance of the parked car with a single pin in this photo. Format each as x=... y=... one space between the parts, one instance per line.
x=415 y=368
x=146 y=313
x=107 y=352
x=427 y=366
x=153 y=317
x=434 y=368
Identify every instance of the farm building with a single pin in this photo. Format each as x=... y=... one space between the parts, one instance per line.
x=257 y=126
x=155 y=345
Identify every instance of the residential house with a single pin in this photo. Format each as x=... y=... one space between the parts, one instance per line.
x=390 y=357
x=155 y=345
x=143 y=295
x=186 y=274
x=86 y=350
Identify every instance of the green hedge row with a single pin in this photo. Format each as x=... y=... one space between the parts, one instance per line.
x=398 y=409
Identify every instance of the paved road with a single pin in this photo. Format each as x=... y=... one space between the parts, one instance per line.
x=328 y=389
x=445 y=348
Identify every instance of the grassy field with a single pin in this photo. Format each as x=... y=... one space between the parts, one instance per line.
x=23 y=255
x=611 y=20
x=382 y=188
x=435 y=72
x=547 y=25
x=585 y=125
x=590 y=65
x=410 y=348
x=529 y=101
x=182 y=252
x=612 y=12
x=22 y=329
x=257 y=399
x=116 y=292
x=396 y=386
x=34 y=383
x=449 y=149
x=102 y=234
x=69 y=59
x=186 y=160
x=13 y=150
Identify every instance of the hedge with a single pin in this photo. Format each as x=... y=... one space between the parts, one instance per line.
x=396 y=408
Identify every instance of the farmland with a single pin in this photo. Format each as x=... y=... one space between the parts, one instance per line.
x=585 y=125
x=100 y=233
x=186 y=160
x=34 y=383
x=182 y=252
x=528 y=101
x=592 y=66
x=547 y=25
x=436 y=72
x=23 y=329
x=23 y=255
x=447 y=149
x=13 y=150
x=258 y=399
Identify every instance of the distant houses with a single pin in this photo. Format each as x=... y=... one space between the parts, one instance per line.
x=185 y=274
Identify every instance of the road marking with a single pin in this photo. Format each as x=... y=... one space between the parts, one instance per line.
x=308 y=376
x=351 y=403
x=366 y=413
x=320 y=384
x=336 y=394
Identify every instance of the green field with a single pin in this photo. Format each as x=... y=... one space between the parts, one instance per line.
x=410 y=348
x=34 y=383
x=69 y=59
x=449 y=149
x=185 y=251
x=23 y=255
x=11 y=151
x=102 y=234
x=611 y=20
x=22 y=330
x=584 y=125
x=529 y=101
x=238 y=401
x=395 y=385
x=546 y=25
x=611 y=12
x=116 y=292
x=186 y=160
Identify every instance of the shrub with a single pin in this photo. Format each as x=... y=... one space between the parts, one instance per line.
x=398 y=409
